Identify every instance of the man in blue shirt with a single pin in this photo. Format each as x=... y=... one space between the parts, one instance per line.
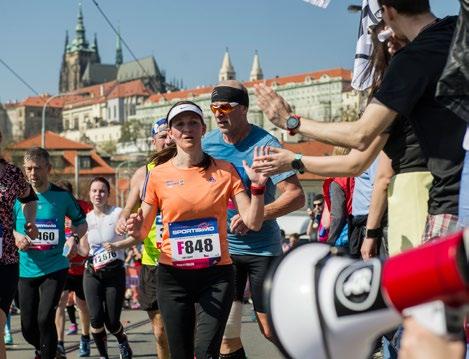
x=43 y=266
x=251 y=252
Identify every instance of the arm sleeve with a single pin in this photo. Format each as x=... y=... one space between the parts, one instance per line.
x=338 y=214
x=281 y=176
x=74 y=211
x=404 y=82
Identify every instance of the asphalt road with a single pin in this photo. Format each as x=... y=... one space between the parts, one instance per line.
x=142 y=341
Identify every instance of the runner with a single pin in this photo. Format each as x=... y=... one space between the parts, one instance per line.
x=104 y=278
x=152 y=243
x=251 y=252
x=73 y=285
x=43 y=267
x=192 y=191
x=13 y=186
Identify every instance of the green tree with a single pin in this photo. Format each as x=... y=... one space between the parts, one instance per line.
x=130 y=131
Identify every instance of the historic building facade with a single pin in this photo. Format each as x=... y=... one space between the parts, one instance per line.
x=318 y=95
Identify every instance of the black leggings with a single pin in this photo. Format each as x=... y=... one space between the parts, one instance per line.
x=39 y=298
x=104 y=293
x=179 y=291
x=9 y=274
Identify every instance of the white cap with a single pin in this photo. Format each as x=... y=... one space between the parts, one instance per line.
x=185 y=107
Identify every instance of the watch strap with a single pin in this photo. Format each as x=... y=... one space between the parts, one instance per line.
x=292 y=131
x=374 y=233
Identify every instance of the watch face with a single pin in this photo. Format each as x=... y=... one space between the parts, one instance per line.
x=292 y=123
x=297 y=165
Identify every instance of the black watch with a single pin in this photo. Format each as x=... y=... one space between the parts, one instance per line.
x=297 y=164
x=374 y=233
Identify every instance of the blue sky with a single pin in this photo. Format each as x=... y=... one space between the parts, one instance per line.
x=187 y=37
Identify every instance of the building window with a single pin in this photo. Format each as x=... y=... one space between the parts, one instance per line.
x=57 y=161
x=115 y=111
x=75 y=123
x=67 y=124
x=85 y=162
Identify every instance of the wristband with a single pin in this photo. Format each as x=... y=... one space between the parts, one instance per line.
x=257 y=190
x=374 y=233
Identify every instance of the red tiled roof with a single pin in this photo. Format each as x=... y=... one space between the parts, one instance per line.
x=168 y=96
x=39 y=101
x=53 y=142
x=309 y=148
x=102 y=168
x=300 y=78
x=131 y=88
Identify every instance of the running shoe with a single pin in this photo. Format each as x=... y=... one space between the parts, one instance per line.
x=72 y=329
x=8 y=339
x=125 y=350
x=60 y=354
x=85 y=348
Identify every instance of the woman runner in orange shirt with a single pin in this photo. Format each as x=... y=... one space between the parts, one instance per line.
x=193 y=191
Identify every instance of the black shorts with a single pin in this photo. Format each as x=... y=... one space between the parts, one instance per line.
x=74 y=283
x=10 y=276
x=256 y=268
x=147 y=288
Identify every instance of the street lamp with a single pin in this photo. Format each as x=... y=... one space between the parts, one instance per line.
x=43 y=127
x=117 y=179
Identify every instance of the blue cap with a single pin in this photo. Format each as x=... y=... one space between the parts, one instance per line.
x=159 y=125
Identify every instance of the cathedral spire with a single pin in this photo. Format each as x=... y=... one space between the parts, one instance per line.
x=94 y=47
x=119 y=57
x=227 y=71
x=256 y=70
x=66 y=41
x=80 y=43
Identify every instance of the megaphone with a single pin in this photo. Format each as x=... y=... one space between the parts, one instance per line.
x=325 y=306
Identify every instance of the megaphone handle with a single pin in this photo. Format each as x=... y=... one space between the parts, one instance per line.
x=439 y=318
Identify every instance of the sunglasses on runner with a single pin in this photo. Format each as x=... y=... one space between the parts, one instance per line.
x=224 y=108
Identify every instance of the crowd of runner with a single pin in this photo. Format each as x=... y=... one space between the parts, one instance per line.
x=204 y=207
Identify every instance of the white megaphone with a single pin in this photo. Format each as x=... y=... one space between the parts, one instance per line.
x=324 y=306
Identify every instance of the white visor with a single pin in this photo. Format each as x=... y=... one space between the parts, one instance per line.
x=186 y=107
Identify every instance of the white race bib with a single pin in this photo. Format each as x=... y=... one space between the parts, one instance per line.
x=48 y=236
x=102 y=258
x=195 y=244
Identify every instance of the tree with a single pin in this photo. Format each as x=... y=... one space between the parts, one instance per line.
x=130 y=131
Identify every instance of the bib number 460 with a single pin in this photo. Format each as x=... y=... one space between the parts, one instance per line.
x=199 y=245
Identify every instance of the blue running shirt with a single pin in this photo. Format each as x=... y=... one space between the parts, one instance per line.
x=267 y=241
x=45 y=256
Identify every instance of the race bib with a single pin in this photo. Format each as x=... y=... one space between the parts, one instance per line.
x=102 y=258
x=195 y=244
x=158 y=231
x=1 y=240
x=48 y=236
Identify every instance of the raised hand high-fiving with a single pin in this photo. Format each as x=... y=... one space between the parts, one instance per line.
x=257 y=178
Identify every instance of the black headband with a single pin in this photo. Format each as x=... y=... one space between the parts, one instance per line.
x=230 y=94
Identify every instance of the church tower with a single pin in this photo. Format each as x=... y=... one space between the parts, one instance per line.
x=119 y=57
x=76 y=57
x=256 y=70
x=227 y=71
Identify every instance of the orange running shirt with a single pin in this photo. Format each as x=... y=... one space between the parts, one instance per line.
x=194 y=204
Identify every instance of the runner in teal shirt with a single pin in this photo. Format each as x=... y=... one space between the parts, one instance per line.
x=43 y=263
x=44 y=256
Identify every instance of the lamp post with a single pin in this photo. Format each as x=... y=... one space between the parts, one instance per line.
x=43 y=127
x=117 y=179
